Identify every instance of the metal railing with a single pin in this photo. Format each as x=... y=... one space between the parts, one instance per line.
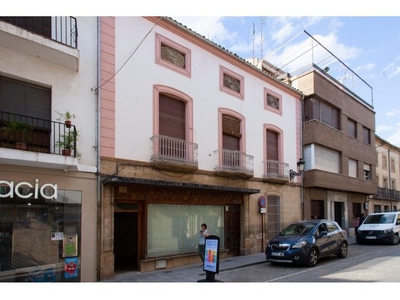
x=276 y=169
x=234 y=161
x=37 y=135
x=389 y=194
x=61 y=29
x=173 y=150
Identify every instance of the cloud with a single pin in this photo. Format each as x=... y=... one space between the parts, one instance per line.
x=394 y=138
x=392 y=113
x=382 y=128
x=367 y=67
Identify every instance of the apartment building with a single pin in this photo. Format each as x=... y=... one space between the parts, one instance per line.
x=48 y=199
x=338 y=132
x=190 y=134
x=387 y=197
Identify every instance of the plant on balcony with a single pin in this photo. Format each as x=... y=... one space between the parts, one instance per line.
x=19 y=132
x=67 y=142
x=66 y=118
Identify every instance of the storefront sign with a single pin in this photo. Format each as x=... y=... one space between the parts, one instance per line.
x=37 y=190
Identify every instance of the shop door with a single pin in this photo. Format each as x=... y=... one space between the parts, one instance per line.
x=232 y=229
x=126 y=241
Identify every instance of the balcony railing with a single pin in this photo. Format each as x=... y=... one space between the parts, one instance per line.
x=233 y=163
x=174 y=153
x=37 y=135
x=276 y=171
x=388 y=194
x=61 y=29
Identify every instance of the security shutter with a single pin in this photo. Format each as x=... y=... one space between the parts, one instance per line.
x=172 y=117
x=272 y=145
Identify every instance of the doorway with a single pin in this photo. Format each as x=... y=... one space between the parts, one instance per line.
x=338 y=213
x=126 y=241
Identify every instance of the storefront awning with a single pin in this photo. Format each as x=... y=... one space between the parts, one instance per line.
x=116 y=180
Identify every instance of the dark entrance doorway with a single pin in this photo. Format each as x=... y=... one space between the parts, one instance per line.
x=126 y=241
x=339 y=213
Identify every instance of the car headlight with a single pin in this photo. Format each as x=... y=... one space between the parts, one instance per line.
x=389 y=230
x=299 y=244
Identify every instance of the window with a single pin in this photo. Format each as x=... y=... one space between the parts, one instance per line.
x=274 y=215
x=231 y=83
x=384 y=162
x=274 y=156
x=385 y=183
x=327 y=159
x=367 y=172
x=366 y=136
x=352 y=168
x=315 y=109
x=352 y=128
x=231 y=140
x=172 y=55
x=392 y=165
x=272 y=101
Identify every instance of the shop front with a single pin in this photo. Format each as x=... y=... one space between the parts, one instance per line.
x=41 y=226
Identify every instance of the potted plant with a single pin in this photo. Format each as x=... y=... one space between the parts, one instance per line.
x=67 y=142
x=19 y=132
x=66 y=118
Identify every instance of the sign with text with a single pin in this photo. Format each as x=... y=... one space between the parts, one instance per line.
x=211 y=254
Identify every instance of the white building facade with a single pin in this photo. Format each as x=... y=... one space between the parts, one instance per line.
x=189 y=134
x=48 y=201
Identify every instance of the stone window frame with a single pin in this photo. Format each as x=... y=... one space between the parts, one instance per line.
x=269 y=107
x=162 y=40
x=224 y=71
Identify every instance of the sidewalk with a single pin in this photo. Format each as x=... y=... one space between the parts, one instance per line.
x=193 y=273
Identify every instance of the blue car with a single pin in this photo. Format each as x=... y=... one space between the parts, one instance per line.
x=305 y=242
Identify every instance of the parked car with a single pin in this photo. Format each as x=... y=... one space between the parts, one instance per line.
x=383 y=227
x=305 y=242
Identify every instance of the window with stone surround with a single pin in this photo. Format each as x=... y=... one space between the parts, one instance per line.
x=172 y=55
x=231 y=83
x=272 y=101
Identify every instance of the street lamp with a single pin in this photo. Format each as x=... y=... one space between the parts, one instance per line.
x=300 y=168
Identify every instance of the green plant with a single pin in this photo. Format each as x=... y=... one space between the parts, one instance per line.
x=67 y=140
x=67 y=116
x=19 y=131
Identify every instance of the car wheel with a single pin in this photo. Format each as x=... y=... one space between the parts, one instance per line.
x=312 y=258
x=395 y=240
x=343 y=250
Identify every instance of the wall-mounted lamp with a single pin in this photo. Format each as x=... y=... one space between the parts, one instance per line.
x=300 y=168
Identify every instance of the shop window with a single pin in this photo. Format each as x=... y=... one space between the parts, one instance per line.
x=40 y=234
x=174 y=229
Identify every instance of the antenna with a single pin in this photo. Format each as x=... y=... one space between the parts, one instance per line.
x=261 y=34
x=254 y=32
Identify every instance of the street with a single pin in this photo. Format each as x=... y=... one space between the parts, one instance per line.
x=364 y=263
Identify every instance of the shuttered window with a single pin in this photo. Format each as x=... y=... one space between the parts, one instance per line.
x=26 y=99
x=231 y=133
x=172 y=120
x=272 y=145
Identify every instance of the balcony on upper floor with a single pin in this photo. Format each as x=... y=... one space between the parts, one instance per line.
x=233 y=163
x=52 y=39
x=387 y=194
x=174 y=154
x=37 y=142
x=276 y=171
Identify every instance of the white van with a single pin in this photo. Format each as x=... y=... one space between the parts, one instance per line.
x=381 y=227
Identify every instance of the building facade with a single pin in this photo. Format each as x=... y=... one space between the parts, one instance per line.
x=190 y=134
x=48 y=200
x=387 y=197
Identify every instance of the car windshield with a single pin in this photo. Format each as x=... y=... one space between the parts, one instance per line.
x=297 y=229
x=380 y=219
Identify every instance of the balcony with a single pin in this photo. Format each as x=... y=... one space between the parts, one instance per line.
x=232 y=163
x=174 y=154
x=387 y=194
x=52 y=39
x=276 y=171
x=37 y=142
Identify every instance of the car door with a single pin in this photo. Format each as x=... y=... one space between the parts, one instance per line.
x=334 y=237
x=322 y=242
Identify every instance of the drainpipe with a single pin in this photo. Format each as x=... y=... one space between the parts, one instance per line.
x=302 y=155
x=99 y=209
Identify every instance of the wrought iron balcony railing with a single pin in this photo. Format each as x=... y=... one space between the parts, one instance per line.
x=174 y=152
x=388 y=194
x=37 y=135
x=61 y=29
x=234 y=162
x=276 y=170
